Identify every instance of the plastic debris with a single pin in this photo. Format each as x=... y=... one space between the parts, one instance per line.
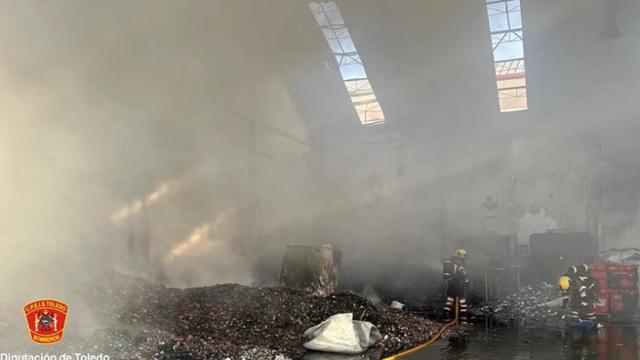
x=341 y=334
x=532 y=305
x=396 y=305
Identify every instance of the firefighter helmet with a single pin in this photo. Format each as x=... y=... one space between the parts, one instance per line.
x=460 y=253
x=564 y=282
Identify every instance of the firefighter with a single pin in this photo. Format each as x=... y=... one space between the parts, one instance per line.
x=456 y=282
x=583 y=293
x=564 y=283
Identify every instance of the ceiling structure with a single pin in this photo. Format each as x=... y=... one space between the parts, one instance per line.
x=446 y=66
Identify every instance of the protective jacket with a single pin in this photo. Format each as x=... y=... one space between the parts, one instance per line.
x=454 y=274
x=583 y=293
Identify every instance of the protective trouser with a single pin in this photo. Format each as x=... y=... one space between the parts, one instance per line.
x=450 y=308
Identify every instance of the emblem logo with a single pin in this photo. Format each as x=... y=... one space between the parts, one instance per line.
x=46 y=319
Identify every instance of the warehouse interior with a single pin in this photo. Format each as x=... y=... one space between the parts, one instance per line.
x=190 y=143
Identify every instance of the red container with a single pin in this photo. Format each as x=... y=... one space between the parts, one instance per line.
x=617 y=287
x=599 y=267
x=602 y=284
x=627 y=284
x=615 y=301
x=615 y=268
x=623 y=280
x=599 y=274
x=602 y=305
x=629 y=300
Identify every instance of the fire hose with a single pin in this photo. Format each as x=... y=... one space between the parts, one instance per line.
x=437 y=336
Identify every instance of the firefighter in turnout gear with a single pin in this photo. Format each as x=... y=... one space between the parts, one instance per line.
x=456 y=281
x=564 y=283
x=583 y=293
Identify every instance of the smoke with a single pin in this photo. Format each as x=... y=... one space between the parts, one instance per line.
x=135 y=207
x=198 y=234
x=190 y=142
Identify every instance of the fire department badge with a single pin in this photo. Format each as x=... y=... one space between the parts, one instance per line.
x=46 y=319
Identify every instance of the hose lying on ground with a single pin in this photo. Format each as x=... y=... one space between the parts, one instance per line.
x=432 y=340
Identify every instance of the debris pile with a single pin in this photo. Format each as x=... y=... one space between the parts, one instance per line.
x=532 y=305
x=621 y=255
x=143 y=320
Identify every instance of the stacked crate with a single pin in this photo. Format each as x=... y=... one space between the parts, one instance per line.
x=599 y=272
x=617 y=288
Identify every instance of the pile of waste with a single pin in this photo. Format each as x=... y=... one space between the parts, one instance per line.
x=621 y=255
x=143 y=320
x=533 y=305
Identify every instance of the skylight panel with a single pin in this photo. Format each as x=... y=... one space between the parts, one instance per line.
x=507 y=40
x=352 y=69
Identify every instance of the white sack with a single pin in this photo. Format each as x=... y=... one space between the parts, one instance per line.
x=341 y=334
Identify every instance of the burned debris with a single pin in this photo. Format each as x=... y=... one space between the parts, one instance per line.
x=144 y=320
x=533 y=305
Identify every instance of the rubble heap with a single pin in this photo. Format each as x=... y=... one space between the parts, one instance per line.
x=143 y=320
x=532 y=305
x=625 y=255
